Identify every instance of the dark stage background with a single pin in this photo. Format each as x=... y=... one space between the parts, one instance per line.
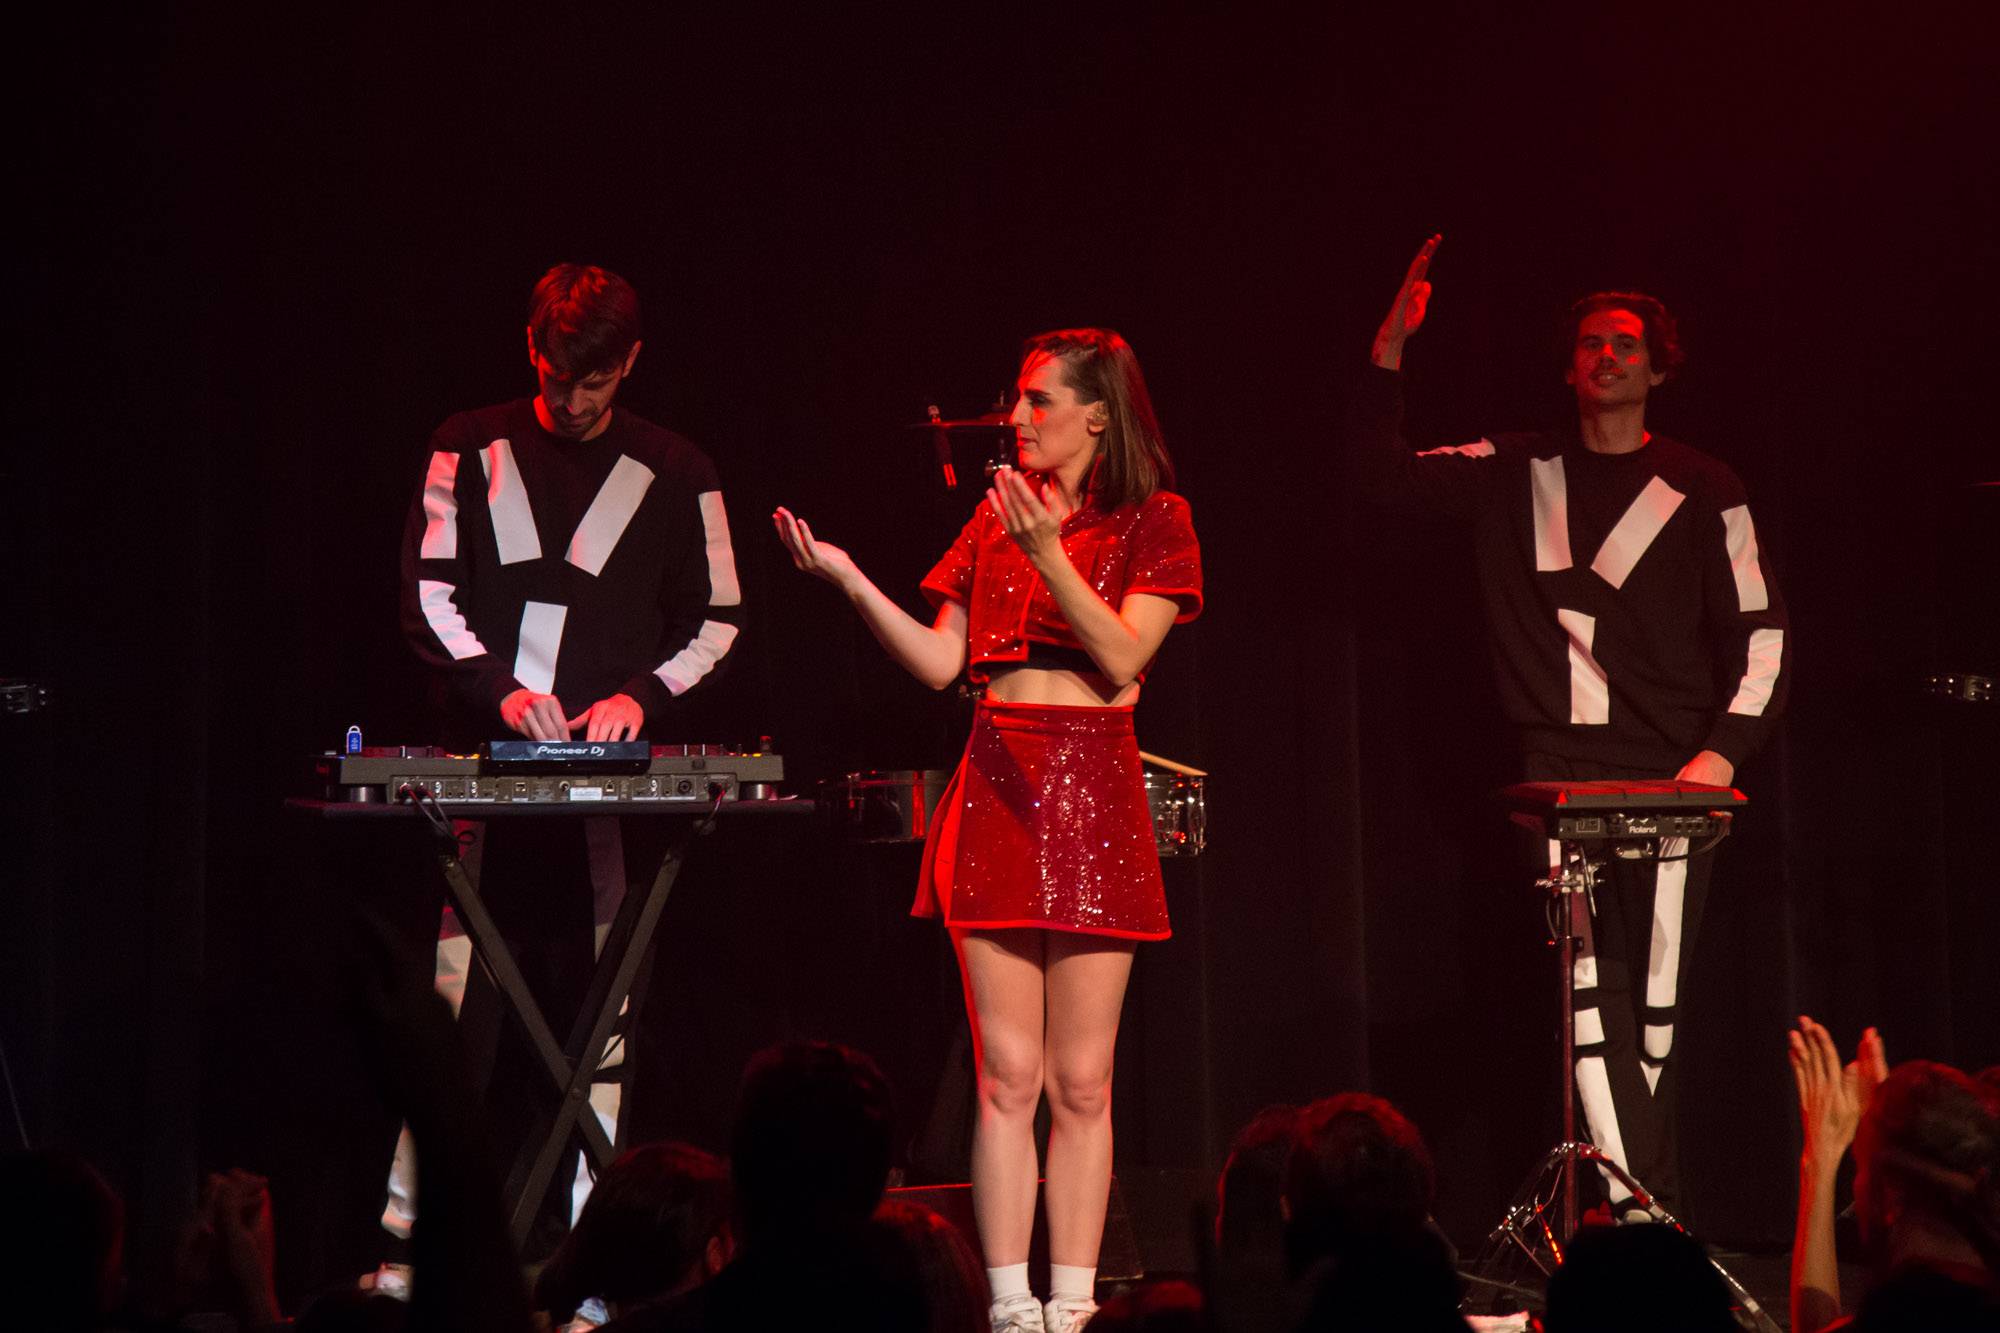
x=264 y=256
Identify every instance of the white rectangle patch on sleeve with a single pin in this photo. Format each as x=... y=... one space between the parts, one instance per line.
x=1481 y=448
x=1767 y=650
x=610 y=513
x=540 y=645
x=1741 y=534
x=723 y=589
x=684 y=670
x=1633 y=534
x=1589 y=690
x=440 y=508
x=507 y=504
x=446 y=621
x=1551 y=496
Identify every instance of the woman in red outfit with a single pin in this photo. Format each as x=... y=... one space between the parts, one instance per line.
x=1041 y=859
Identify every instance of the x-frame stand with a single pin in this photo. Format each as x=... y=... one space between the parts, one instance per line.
x=571 y=1067
x=567 y=1068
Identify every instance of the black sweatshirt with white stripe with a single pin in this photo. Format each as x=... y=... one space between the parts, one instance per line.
x=578 y=568
x=1634 y=618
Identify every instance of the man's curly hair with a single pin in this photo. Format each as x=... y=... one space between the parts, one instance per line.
x=1663 y=334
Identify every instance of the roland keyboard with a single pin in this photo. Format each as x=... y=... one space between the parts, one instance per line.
x=1622 y=809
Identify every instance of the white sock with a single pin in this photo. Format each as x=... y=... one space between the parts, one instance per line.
x=1072 y=1280
x=1008 y=1280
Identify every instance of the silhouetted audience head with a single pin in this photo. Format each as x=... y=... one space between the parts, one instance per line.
x=954 y=1281
x=1157 y=1307
x=1398 y=1276
x=67 y=1268
x=1357 y=1169
x=1919 y=1300
x=656 y=1223
x=1249 y=1194
x=1927 y=1171
x=810 y=1148
x=1637 y=1279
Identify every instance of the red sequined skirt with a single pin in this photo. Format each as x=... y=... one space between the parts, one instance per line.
x=1045 y=824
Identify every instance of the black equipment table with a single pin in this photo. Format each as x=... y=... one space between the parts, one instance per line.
x=569 y=1066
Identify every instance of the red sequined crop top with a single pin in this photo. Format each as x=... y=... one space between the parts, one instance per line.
x=1146 y=547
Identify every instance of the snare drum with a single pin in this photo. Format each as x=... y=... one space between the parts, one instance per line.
x=1180 y=816
x=882 y=805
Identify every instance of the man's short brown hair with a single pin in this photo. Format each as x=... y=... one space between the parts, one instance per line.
x=584 y=319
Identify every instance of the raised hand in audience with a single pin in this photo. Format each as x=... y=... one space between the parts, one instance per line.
x=226 y=1259
x=1832 y=1098
x=240 y=1212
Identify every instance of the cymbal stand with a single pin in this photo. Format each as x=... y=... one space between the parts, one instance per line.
x=1575 y=877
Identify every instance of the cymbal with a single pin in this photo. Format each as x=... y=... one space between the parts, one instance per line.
x=993 y=422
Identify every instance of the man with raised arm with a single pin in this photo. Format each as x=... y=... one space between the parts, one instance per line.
x=567 y=574
x=1637 y=632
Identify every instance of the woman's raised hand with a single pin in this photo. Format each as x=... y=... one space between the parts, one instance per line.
x=1406 y=313
x=813 y=556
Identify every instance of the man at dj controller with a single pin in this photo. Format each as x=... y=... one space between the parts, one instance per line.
x=567 y=567
x=566 y=574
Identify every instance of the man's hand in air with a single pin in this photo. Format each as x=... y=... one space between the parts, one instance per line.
x=1406 y=313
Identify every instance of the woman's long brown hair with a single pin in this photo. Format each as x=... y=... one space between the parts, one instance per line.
x=1101 y=367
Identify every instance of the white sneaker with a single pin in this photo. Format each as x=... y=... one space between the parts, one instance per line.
x=388 y=1280
x=1067 y=1314
x=1020 y=1313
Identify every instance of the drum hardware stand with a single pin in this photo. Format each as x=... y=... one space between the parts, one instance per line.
x=1577 y=875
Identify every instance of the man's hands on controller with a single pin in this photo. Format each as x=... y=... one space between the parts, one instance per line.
x=1708 y=767
x=615 y=719
x=540 y=717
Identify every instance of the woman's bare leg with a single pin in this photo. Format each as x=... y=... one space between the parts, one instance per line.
x=1086 y=976
x=1003 y=998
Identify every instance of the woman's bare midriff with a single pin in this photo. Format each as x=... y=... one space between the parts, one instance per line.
x=1038 y=685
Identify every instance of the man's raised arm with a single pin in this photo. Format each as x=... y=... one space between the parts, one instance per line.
x=1383 y=465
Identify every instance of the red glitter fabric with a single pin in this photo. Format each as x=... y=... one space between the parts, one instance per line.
x=1045 y=824
x=1147 y=547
